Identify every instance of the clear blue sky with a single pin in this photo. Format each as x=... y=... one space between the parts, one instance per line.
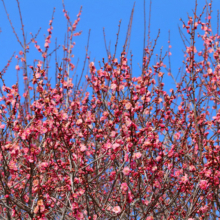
x=96 y=14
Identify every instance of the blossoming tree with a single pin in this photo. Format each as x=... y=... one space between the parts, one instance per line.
x=127 y=150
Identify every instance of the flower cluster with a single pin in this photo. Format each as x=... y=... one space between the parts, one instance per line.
x=128 y=150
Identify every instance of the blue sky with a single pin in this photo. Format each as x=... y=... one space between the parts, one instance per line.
x=96 y=14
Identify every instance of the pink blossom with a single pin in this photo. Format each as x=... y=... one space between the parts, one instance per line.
x=2 y=126
x=79 y=216
x=203 y=184
x=208 y=173
x=79 y=122
x=38 y=75
x=128 y=105
x=46 y=45
x=184 y=179
x=13 y=213
x=177 y=136
x=204 y=209
x=146 y=202
x=124 y=187
x=128 y=122
x=31 y=160
x=83 y=148
x=113 y=134
x=126 y=171
x=160 y=74
x=77 y=180
x=115 y=146
x=154 y=168
x=81 y=191
x=126 y=157
x=36 y=209
x=42 y=208
x=17 y=67
x=108 y=145
x=43 y=130
x=116 y=209
x=158 y=158
x=121 y=87
x=209 y=71
x=130 y=197
x=192 y=168
x=113 y=87
x=75 y=205
x=44 y=164
x=137 y=155
x=37 y=46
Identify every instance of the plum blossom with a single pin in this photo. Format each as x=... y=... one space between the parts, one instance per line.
x=17 y=67
x=209 y=71
x=177 y=136
x=79 y=122
x=36 y=209
x=46 y=45
x=108 y=145
x=184 y=179
x=2 y=126
x=83 y=148
x=137 y=155
x=113 y=87
x=204 y=209
x=128 y=106
x=208 y=173
x=203 y=184
x=116 y=209
x=124 y=187
x=79 y=216
x=75 y=205
x=115 y=146
x=44 y=165
x=126 y=171
x=192 y=168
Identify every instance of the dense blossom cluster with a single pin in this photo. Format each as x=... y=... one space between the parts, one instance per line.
x=127 y=150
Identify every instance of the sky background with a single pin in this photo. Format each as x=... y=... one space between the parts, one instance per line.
x=96 y=14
